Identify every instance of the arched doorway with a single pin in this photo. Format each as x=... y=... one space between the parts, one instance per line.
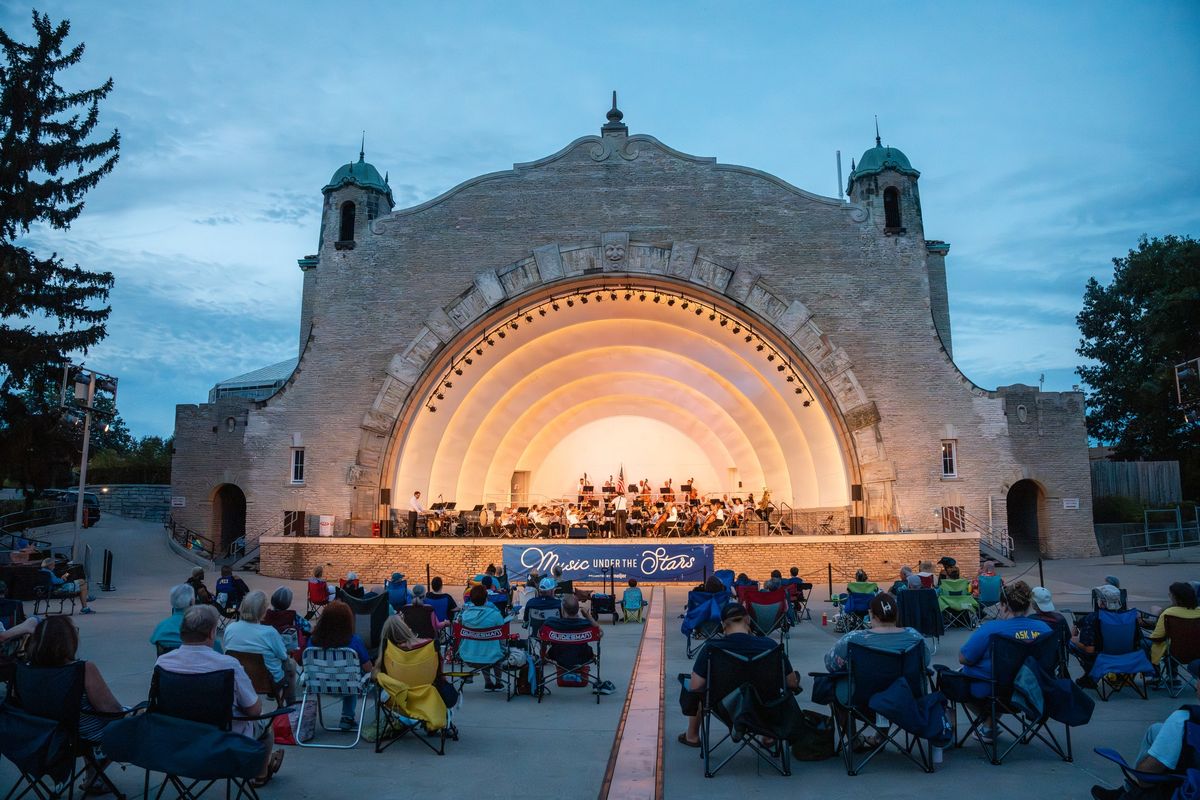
x=1026 y=511
x=228 y=516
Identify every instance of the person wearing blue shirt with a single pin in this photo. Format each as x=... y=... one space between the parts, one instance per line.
x=70 y=587
x=481 y=614
x=166 y=633
x=976 y=656
x=544 y=601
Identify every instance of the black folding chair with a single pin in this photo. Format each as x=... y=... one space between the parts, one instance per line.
x=1008 y=656
x=369 y=615
x=920 y=610
x=871 y=671
x=39 y=733
x=749 y=695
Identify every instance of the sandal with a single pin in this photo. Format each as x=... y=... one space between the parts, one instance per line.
x=272 y=767
x=685 y=741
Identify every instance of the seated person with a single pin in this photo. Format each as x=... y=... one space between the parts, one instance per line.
x=976 y=656
x=280 y=615
x=1183 y=606
x=397 y=591
x=544 y=601
x=988 y=570
x=400 y=635
x=481 y=614
x=949 y=573
x=902 y=583
x=946 y=562
x=1043 y=609
x=1083 y=640
x=436 y=593
x=318 y=579
x=632 y=598
x=420 y=616
x=925 y=570
x=737 y=639
x=352 y=586
x=335 y=629
x=744 y=580
x=166 y=633
x=230 y=590
x=712 y=585
x=57 y=584
x=573 y=618
x=196 y=581
x=249 y=635
x=26 y=628
x=794 y=577
x=197 y=656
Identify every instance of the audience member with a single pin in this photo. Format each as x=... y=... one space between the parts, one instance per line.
x=735 y=624
x=925 y=570
x=946 y=562
x=249 y=635
x=196 y=656
x=987 y=570
x=794 y=577
x=420 y=616
x=25 y=628
x=166 y=633
x=281 y=616
x=69 y=587
x=1183 y=606
x=318 y=579
x=436 y=593
x=544 y=601
x=229 y=590
x=334 y=629
x=397 y=591
x=479 y=613
x=712 y=584
x=196 y=581
x=744 y=580
x=398 y=634
x=573 y=618
x=902 y=583
x=352 y=586
x=1083 y=640
x=1043 y=609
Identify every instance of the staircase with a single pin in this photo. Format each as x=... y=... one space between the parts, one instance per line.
x=243 y=553
x=994 y=542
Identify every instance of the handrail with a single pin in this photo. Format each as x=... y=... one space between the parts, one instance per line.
x=190 y=539
x=240 y=545
x=12 y=525
x=1149 y=540
x=995 y=537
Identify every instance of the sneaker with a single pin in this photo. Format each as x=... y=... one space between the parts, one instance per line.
x=1104 y=793
x=87 y=610
x=986 y=735
x=606 y=687
x=346 y=723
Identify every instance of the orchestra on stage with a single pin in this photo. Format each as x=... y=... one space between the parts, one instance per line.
x=615 y=511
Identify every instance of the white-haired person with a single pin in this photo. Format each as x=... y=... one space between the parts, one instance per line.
x=58 y=584
x=166 y=633
x=249 y=635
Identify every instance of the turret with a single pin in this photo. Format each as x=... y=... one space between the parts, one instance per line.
x=885 y=182
x=355 y=195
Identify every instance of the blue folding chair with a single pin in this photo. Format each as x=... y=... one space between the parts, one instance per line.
x=702 y=620
x=1120 y=659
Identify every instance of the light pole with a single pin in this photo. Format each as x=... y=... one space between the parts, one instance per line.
x=86 y=381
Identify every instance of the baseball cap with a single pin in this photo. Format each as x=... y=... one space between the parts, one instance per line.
x=732 y=611
x=1042 y=599
x=397 y=576
x=1113 y=580
x=1110 y=596
x=547 y=585
x=947 y=561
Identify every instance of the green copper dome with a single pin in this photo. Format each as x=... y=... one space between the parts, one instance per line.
x=360 y=174
x=879 y=158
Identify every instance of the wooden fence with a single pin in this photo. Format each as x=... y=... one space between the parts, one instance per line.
x=1154 y=483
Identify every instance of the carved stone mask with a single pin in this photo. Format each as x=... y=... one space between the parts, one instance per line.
x=614 y=252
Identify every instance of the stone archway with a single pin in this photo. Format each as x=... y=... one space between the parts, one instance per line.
x=228 y=516
x=679 y=269
x=1026 y=511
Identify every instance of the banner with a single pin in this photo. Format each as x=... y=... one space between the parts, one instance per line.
x=593 y=563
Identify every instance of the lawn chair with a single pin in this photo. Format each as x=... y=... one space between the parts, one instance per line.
x=749 y=695
x=369 y=615
x=989 y=596
x=397 y=593
x=632 y=603
x=958 y=607
x=1098 y=603
x=798 y=592
x=187 y=734
x=261 y=678
x=44 y=593
x=1120 y=659
x=333 y=672
x=900 y=678
x=318 y=598
x=921 y=610
x=726 y=577
x=466 y=670
x=855 y=606
x=768 y=612
x=538 y=617
x=1009 y=657
x=702 y=619
x=440 y=606
x=39 y=732
x=576 y=673
x=1183 y=647
x=407 y=700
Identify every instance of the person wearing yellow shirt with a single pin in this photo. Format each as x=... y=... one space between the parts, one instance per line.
x=1183 y=606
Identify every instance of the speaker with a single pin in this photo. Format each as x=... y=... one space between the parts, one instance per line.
x=856 y=492
x=577 y=533
x=385 y=497
x=858 y=525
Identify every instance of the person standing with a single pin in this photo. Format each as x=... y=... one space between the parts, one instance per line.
x=415 y=510
x=620 y=514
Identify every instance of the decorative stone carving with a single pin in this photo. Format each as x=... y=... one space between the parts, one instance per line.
x=489 y=287
x=441 y=324
x=863 y=416
x=835 y=363
x=793 y=317
x=377 y=421
x=517 y=278
x=423 y=346
x=762 y=300
x=647 y=259
x=358 y=474
x=614 y=245
x=469 y=306
x=743 y=278
x=879 y=471
x=610 y=146
x=404 y=370
x=710 y=274
x=549 y=262
x=683 y=256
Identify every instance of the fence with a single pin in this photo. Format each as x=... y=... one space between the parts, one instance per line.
x=1155 y=483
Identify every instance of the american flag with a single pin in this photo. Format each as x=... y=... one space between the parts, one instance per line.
x=621 y=480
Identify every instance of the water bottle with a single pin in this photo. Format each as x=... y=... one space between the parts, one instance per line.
x=824 y=619
x=937 y=757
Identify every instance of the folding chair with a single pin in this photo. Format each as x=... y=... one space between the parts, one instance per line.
x=333 y=672
x=44 y=594
x=632 y=604
x=748 y=693
x=1183 y=647
x=538 y=616
x=798 y=592
x=1155 y=784
x=187 y=734
x=1120 y=659
x=369 y=615
x=39 y=732
x=989 y=596
x=958 y=607
x=1008 y=656
x=318 y=598
x=870 y=672
x=768 y=612
x=466 y=671
x=702 y=619
x=855 y=606
x=397 y=593
x=1097 y=603
x=261 y=678
x=726 y=577
x=921 y=610
x=576 y=673
x=407 y=701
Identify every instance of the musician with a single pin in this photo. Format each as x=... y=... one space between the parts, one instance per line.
x=415 y=510
x=620 y=513
x=554 y=521
x=693 y=492
x=572 y=516
x=608 y=484
x=508 y=523
x=738 y=512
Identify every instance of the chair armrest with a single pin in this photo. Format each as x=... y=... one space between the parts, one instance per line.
x=1158 y=778
x=270 y=715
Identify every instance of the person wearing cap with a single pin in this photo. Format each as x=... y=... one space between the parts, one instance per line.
x=1083 y=640
x=397 y=591
x=1161 y=749
x=544 y=601
x=1043 y=609
x=737 y=638
x=946 y=562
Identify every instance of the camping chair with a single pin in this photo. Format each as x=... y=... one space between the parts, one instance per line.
x=293 y=636
x=39 y=732
x=407 y=701
x=538 y=616
x=855 y=605
x=1153 y=784
x=575 y=674
x=1120 y=659
x=989 y=596
x=798 y=592
x=44 y=594
x=958 y=607
x=702 y=619
x=186 y=733
x=1008 y=657
x=467 y=670
x=1097 y=603
x=768 y=613
x=369 y=615
x=632 y=604
x=318 y=598
x=333 y=672
x=1183 y=647
x=261 y=678
x=726 y=577
x=921 y=610
x=397 y=593
x=749 y=695
x=871 y=672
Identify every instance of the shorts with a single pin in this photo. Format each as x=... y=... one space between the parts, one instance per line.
x=689 y=702
x=70 y=587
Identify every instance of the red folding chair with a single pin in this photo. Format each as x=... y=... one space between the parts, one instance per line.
x=768 y=612
x=575 y=675
x=318 y=598
x=466 y=670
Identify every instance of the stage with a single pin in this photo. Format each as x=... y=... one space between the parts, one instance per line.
x=375 y=559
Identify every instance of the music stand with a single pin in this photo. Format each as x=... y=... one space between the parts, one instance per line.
x=449 y=506
x=666 y=490
x=686 y=488
x=478 y=507
x=522 y=509
x=695 y=501
x=437 y=506
x=594 y=503
x=610 y=489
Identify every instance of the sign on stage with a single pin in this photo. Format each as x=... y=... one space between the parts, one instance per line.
x=598 y=562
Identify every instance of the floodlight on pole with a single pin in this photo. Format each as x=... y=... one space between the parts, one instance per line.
x=86 y=383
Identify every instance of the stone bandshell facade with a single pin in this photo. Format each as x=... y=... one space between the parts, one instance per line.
x=861 y=307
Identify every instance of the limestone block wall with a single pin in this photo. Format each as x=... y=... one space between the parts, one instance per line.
x=133 y=500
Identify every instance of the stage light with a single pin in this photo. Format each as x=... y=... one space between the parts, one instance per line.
x=613 y=296
x=554 y=306
x=491 y=342
x=449 y=384
x=771 y=357
x=542 y=311
x=469 y=361
x=583 y=299
x=724 y=322
x=458 y=370
x=642 y=297
x=570 y=304
x=514 y=325
x=685 y=305
x=737 y=328
x=712 y=317
x=441 y=396
x=500 y=334
x=799 y=390
x=432 y=409
x=791 y=378
x=759 y=348
x=781 y=368
x=628 y=296
x=749 y=338
x=528 y=318
x=671 y=302
x=599 y=297
x=807 y=403
x=699 y=311
x=478 y=351
x=657 y=298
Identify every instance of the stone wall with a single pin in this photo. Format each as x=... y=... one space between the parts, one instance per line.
x=375 y=559
x=134 y=500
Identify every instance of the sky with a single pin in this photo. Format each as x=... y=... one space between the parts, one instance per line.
x=1049 y=136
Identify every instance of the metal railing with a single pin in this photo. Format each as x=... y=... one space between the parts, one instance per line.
x=14 y=524
x=245 y=543
x=189 y=539
x=1160 y=540
x=995 y=538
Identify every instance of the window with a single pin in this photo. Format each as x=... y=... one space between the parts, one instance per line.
x=949 y=458
x=954 y=519
x=891 y=209
x=297 y=465
x=372 y=208
x=346 y=229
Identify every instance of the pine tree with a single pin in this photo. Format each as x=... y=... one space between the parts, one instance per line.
x=47 y=165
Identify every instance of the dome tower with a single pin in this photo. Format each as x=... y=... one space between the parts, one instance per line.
x=885 y=182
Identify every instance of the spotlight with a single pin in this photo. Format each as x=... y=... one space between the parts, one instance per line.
x=712 y=317
x=657 y=298
x=583 y=299
x=771 y=357
x=491 y=342
x=469 y=361
x=529 y=317
x=685 y=304
x=570 y=304
x=759 y=348
x=748 y=338
x=478 y=351
x=441 y=396
x=699 y=311
x=800 y=391
x=599 y=297
x=449 y=385
x=514 y=325
x=642 y=297
x=554 y=306
x=737 y=328
x=458 y=370
x=724 y=322
x=500 y=334
x=781 y=368
x=807 y=403
x=791 y=378
x=628 y=295
x=542 y=311
x=613 y=296
x=432 y=409
x=671 y=302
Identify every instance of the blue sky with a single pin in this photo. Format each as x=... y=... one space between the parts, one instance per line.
x=1049 y=137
